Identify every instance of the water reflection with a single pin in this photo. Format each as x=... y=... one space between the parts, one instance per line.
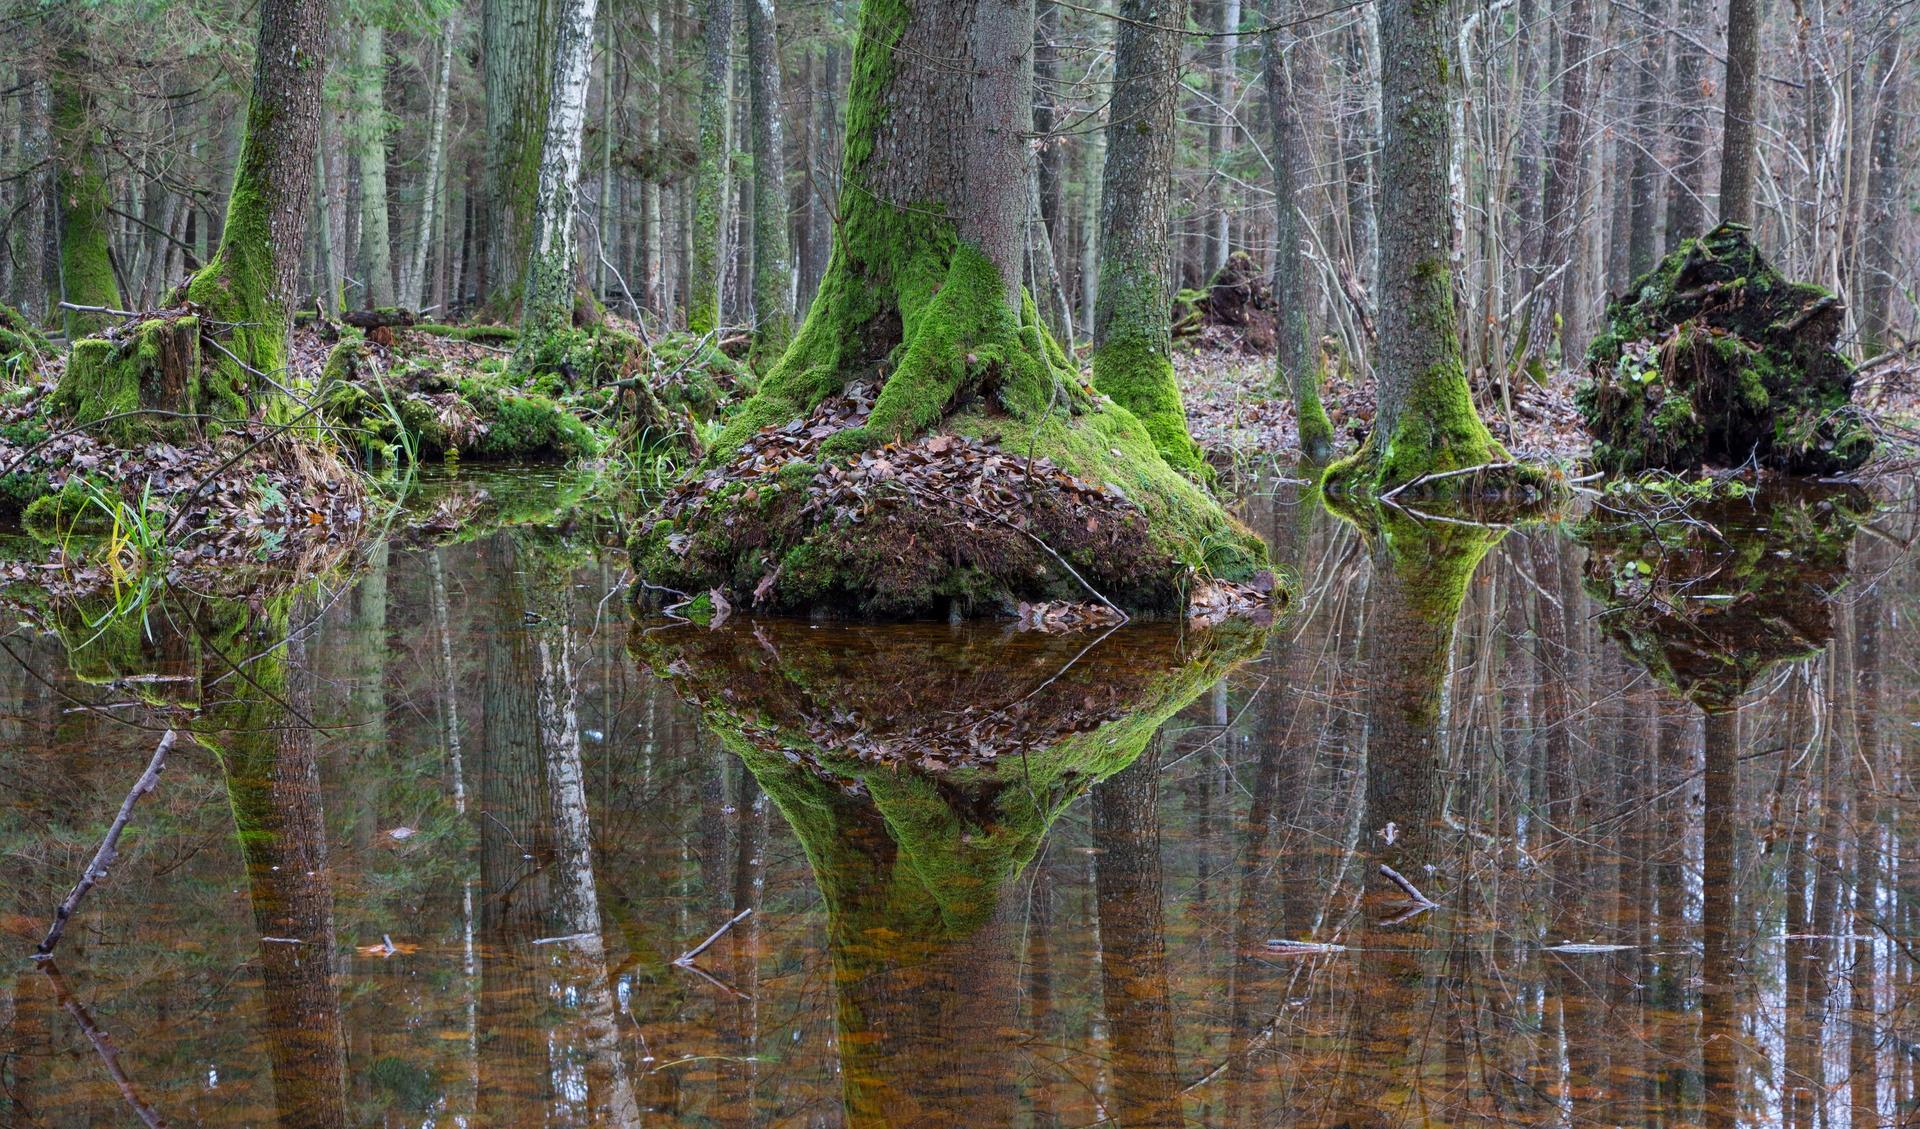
x=1662 y=813
x=920 y=768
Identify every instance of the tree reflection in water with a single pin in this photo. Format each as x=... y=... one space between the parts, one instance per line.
x=1662 y=810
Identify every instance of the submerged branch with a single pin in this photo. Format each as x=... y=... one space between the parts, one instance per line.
x=109 y=847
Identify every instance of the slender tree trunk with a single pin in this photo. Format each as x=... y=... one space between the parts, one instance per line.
x=517 y=46
x=370 y=144
x=1737 y=148
x=1687 y=183
x=710 y=183
x=772 y=255
x=431 y=203
x=1560 y=209
x=1642 y=248
x=552 y=277
x=1132 y=345
x=1883 y=203
x=1289 y=59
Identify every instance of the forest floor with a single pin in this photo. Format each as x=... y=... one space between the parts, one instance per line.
x=1243 y=418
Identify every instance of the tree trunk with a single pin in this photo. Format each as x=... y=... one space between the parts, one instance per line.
x=553 y=260
x=80 y=182
x=1295 y=294
x=1132 y=343
x=922 y=305
x=1687 y=163
x=1877 y=287
x=250 y=281
x=434 y=182
x=710 y=184
x=517 y=44
x=1644 y=217
x=1424 y=420
x=772 y=255
x=370 y=143
x=1560 y=209
x=331 y=205
x=1737 y=153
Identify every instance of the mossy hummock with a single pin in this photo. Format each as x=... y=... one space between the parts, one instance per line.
x=1716 y=359
x=921 y=302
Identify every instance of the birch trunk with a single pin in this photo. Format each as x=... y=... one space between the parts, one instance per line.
x=551 y=278
x=435 y=179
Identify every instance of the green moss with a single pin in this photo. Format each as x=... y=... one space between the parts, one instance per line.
x=86 y=262
x=68 y=512
x=1139 y=376
x=158 y=370
x=524 y=426
x=486 y=334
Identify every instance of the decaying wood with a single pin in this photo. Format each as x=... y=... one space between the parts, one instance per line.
x=109 y=848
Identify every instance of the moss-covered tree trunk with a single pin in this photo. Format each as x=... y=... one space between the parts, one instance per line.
x=80 y=182
x=922 y=310
x=1424 y=420
x=517 y=47
x=1289 y=68
x=772 y=254
x=710 y=176
x=1132 y=342
x=249 y=284
x=551 y=262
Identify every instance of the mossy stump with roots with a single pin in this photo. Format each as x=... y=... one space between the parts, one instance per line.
x=921 y=302
x=149 y=382
x=1715 y=359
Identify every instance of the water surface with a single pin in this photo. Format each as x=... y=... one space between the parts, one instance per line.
x=464 y=816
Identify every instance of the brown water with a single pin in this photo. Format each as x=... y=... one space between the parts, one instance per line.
x=465 y=819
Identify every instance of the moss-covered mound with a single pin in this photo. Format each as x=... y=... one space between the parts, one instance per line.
x=1707 y=595
x=983 y=396
x=22 y=346
x=1714 y=359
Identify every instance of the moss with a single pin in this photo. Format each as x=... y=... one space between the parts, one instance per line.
x=486 y=334
x=68 y=512
x=158 y=369
x=1314 y=429
x=86 y=260
x=22 y=346
x=1139 y=376
x=1752 y=353
x=524 y=426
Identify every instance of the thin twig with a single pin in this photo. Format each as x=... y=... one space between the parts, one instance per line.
x=109 y=848
x=1406 y=887
x=687 y=958
x=102 y=1046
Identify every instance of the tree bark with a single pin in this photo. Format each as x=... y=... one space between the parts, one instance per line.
x=1883 y=203
x=370 y=144
x=1737 y=153
x=1424 y=420
x=553 y=259
x=1295 y=294
x=517 y=40
x=1560 y=208
x=1687 y=162
x=772 y=253
x=250 y=281
x=710 y=182
x=80 y=182
x=1132 y=343
x=1644 y=215
x=434 y=182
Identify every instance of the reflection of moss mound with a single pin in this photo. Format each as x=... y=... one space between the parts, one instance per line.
x=921 y=766
x=1714 y=357
x=1707 y=598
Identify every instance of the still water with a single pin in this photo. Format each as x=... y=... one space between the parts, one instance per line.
x=448 y=828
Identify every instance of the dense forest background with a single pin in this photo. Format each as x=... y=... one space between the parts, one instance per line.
x=1587 y=139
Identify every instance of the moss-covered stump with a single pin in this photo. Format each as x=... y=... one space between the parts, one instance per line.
x=1716 y=359
x=1708 y=594
x=150 y=380
x=22 y=346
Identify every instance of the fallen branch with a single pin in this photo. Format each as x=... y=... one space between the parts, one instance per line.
x=109 y=847
x=102 y=1046
x=1423 y=479
x=101 y=310
x=1406 y=887
x=686 y=959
